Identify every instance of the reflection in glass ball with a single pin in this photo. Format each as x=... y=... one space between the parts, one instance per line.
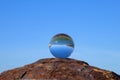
x=61 y=46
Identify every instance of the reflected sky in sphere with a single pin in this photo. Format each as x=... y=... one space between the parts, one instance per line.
x=61 y=46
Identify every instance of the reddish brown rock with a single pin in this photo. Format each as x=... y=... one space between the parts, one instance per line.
x=58 y=69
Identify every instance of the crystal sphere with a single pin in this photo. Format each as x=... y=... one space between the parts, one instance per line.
x=61 y=45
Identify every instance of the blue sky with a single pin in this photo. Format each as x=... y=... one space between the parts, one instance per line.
x=26 y=27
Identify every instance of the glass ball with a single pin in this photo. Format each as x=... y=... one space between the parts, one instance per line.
x=61 y=46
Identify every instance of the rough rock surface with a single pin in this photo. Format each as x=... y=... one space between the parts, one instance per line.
x=58 y=69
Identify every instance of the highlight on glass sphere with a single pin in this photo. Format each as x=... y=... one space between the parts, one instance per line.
x=61 y=45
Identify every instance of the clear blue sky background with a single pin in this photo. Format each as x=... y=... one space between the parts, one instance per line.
x=26 y=27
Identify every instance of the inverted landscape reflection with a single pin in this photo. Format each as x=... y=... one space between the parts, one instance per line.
x=61 y=46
